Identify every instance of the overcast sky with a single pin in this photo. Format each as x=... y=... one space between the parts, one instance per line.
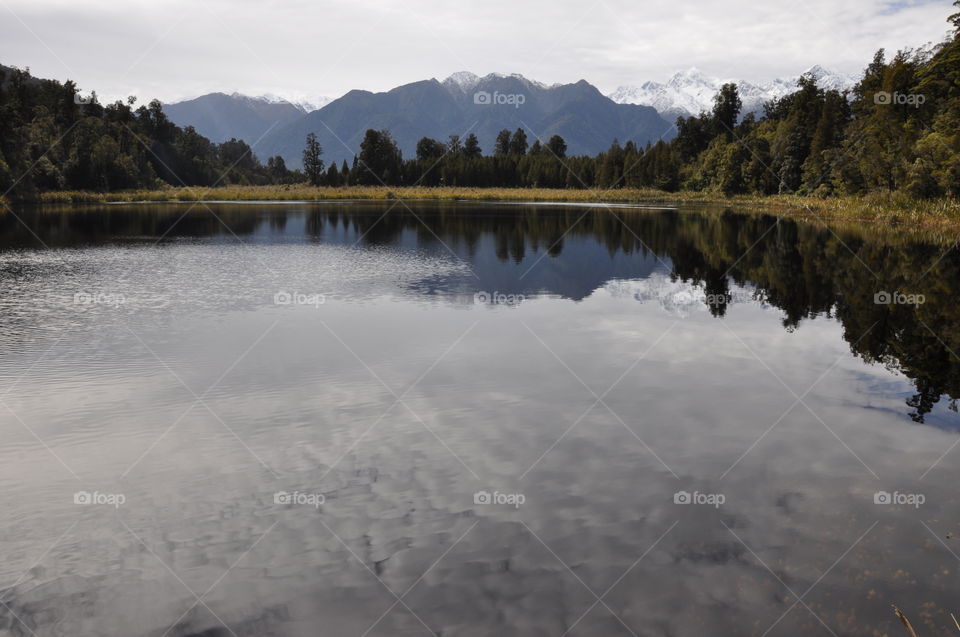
x=171 y=49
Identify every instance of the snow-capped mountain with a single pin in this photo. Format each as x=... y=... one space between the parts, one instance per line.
x=691 y=92
x=464 y=81
x=303 y=102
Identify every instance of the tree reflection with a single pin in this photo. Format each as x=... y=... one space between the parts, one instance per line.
x=804 y=269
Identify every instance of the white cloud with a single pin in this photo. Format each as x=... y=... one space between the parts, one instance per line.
x=174 y=48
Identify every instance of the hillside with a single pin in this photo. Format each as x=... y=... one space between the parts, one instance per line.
x=584 y=117
x=219 y=117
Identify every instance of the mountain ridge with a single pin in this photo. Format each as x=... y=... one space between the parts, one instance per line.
x=219 y=117
x=691 y=92
x=466 y=103
x=588 y=119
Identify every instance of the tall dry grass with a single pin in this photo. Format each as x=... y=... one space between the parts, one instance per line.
x=883 y=208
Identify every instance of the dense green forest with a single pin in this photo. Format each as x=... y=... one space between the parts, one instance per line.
x=897 y=131
x=52 y=138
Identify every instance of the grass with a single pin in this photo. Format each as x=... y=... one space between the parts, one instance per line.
x=911 y=632
x=883 y=208
x=301 y=192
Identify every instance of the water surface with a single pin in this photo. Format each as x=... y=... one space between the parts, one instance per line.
x=183 y=364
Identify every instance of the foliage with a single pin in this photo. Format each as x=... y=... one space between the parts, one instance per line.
x=312 y=164
x=53 y=138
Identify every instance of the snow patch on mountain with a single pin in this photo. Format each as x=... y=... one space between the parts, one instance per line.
x=465 y=81
x=310 y=104
x=303 y=102
x=691 y=92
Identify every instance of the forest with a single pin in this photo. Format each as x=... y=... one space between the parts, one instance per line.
x=898 y=131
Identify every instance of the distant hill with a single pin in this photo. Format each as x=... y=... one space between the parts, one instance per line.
x=219 y=117
x=465 y=103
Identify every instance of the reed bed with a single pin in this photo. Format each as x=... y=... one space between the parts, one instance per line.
x=882 y=208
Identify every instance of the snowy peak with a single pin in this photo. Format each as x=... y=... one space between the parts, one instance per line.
x=828 y=79
x=691 y=77
x=691 y=92
x=463 y=82
x=310 y=104
x=685 y=93
x=300 y=102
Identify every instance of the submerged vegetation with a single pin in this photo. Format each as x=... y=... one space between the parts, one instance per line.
x=911 y=632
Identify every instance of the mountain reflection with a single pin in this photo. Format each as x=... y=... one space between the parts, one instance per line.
x=805 y=270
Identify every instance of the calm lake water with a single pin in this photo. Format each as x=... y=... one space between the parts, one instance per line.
x=473 y=419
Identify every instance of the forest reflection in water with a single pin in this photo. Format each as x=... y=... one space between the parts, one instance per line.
x=868 y=278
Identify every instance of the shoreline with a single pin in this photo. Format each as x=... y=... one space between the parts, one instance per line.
x=887 y=209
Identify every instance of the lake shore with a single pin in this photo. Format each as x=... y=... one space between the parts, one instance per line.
x=884 y=208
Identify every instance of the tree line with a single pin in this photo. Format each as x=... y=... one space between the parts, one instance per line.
x=455 y=162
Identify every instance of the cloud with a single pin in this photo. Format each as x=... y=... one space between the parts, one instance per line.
x=173 y=48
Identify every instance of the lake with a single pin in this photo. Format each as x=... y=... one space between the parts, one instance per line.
x=413 y=418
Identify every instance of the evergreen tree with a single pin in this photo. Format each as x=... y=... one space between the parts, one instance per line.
x=430 y=150
x=726 y=109
x=502 y=145
x=557 y=146
x=518 y=143
x=471 y=147
x=333 y=175
x=454 y=146
x=379 y=160
x=277 y=169
x=312 y=164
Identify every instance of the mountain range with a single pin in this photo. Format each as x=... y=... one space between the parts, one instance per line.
x=466 y=103
x=461 y=104
x=691 y=92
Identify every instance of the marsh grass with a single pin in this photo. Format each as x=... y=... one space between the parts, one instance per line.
x=911 y=632
x=882 y=208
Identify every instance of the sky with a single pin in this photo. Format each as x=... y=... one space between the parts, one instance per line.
x=176 y=49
